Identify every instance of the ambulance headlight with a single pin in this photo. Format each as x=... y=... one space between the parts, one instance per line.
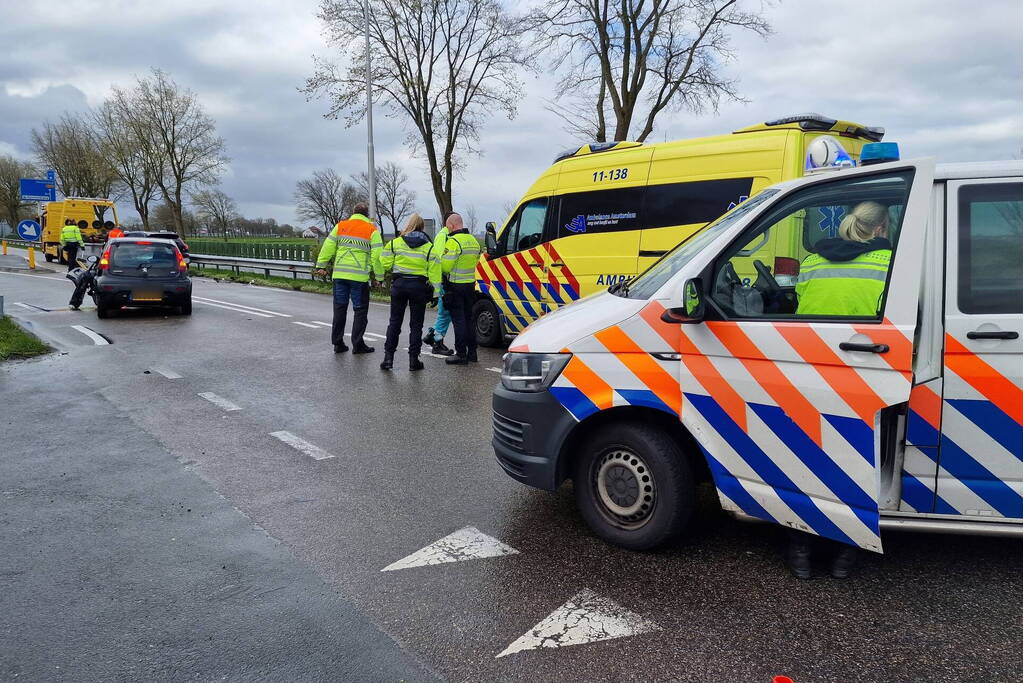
x=532 y=371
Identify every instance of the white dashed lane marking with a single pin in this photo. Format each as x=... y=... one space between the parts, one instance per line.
x=465 y=544
x=231 y=308
x=497 y=370
x=322 y=324
x=31 y=308
x=296 y=322
x=169 y=374
x=219 y=401
x=313 y=451
x=586 y=618
x=97 y=339
x=242 y=306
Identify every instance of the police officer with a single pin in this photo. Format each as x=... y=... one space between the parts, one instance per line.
x=416 y=277
x=461 y=254
x=71 y=241
x=353 y=247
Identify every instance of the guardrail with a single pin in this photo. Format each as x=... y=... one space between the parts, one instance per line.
x=237 y=264
x=269 y=251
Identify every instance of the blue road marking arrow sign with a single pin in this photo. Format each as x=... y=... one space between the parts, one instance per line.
x=30 y=231
x=35 y=190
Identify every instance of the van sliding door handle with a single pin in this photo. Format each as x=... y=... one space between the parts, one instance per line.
x=868 y=348
x=1002 y=334
x=536 y=265
x=557 y=264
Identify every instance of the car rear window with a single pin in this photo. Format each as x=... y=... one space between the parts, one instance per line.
x=143 y=258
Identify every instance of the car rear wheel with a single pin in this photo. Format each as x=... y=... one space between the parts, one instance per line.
x=186 y=307
x=634 y=486
x=103 y=310
x=488 y=323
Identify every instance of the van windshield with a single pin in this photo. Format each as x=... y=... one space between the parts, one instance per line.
x=647 y=283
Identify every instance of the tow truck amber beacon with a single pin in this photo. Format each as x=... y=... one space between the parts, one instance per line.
x=841 y=419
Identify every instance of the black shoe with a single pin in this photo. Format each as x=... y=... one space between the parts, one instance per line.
x=471 y=357
x=364 y=349
x=797 y=557
x=414 y=363
x=340 y=348
x=440 y=349
x=844 y=561
x=456 y=360
x=429 y=339
x=388 y=361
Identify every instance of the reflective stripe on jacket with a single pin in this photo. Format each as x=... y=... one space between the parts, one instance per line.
x=461 y=254
x=354 y=248
x=853 y=287
x=402 y=259
x=71 y=233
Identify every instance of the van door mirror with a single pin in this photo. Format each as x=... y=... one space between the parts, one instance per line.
x=491 y=240
x=492 y=227
x=693 y=306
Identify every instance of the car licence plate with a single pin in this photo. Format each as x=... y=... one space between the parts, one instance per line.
x=146 y=295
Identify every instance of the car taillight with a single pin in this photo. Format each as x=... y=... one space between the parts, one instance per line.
x=104 y=260
x=182 y=266
x=143 y=242
x=786 y=266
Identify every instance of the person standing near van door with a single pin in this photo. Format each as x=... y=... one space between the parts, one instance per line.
x=353 y=247
x=435 y=336
x=71 y=241
x=416 y=278
x=461 y=254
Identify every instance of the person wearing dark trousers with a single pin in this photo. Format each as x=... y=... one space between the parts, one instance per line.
x=71 y=241
x=800 y=550
x=458 y=264
x=353 y=247
x=416 y=279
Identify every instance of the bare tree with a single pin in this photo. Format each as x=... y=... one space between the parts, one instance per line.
x=70 y=147
x=215 y=209
x=446 y=65
x=138 y=164
x=11 y=171
x=624 y=63
x=471 y=217
x=173 y=125
x=394 y=199
x=325 y=198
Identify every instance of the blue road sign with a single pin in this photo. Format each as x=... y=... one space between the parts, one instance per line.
x=35 y=190
x=29 y=231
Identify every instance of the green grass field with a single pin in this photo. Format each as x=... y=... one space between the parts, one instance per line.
x=17 y=343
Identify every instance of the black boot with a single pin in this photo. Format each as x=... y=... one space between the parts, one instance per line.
x=388 y=361
x=798 y=554
x=363 y=348
x=843 y=562
x=340 y=348
x=471 y=356
x=429 y=339
x=456 y=360
x=440 y=349
x=414 y=363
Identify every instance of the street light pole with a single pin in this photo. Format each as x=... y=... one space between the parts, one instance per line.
x=372 y=175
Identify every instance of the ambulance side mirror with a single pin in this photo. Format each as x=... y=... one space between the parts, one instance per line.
x=693 y=307
x=491 y=240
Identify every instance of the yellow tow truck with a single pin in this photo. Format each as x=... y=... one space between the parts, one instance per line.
x=78 y=209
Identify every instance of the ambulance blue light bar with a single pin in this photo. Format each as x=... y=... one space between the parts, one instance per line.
x=879 y=153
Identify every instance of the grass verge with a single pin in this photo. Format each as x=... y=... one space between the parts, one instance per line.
x=17 y=343
x=298 y=285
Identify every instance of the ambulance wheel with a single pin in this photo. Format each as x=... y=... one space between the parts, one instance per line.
x=488 y=323
x=634 y=486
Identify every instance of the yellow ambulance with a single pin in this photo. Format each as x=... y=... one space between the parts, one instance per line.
x=604 y=212
x=77 y=209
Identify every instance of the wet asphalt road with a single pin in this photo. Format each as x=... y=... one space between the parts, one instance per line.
x=412 y=464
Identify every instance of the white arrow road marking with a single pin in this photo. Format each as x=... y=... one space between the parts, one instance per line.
x=97 y=339
x=169 y=374
x=586 y=618
x=305 y=324
x=314 y=452
x=465 y=544
x=248 y=308
x=232 y=308
x=219 y=401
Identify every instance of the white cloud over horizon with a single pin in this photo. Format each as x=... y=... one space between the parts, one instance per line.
x=943 y=77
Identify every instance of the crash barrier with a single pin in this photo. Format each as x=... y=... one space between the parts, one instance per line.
x=271 y=251
x=238 y=264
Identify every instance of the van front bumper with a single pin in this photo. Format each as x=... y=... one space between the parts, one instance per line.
x=530 y=430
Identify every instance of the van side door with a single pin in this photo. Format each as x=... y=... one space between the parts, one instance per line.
x=980 y=463
x=790 y=392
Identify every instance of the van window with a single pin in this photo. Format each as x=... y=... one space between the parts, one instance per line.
x=601 y=211
x=525 y=231
x=991 y=248
x=771 y=271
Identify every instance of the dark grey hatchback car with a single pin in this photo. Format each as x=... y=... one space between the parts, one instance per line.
x=142 y=273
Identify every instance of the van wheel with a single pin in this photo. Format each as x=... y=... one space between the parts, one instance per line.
x=634 y=486
x=488 y=323
x=49 y=258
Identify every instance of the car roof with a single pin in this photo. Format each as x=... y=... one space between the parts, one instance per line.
x=161 y=240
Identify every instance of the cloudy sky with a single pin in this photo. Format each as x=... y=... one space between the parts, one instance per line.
x=944 y=77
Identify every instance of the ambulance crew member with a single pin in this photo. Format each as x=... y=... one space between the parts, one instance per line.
x=847 y=274
x=353 y=247
x=461 y=254
x=71 y=241
x=435 y=336
x=416 y=277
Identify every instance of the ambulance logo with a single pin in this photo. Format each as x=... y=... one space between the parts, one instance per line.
x=576 y=225
x=831 y=218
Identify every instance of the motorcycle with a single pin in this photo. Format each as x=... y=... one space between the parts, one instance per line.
x=84 y=280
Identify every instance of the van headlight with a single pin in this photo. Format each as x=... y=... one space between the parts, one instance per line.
x=532 y=371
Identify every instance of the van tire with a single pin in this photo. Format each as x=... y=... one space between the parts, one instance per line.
x=487 y=323
x=645 y=463
x=49 y=258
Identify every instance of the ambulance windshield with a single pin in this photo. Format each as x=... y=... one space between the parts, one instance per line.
x=646 y=284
